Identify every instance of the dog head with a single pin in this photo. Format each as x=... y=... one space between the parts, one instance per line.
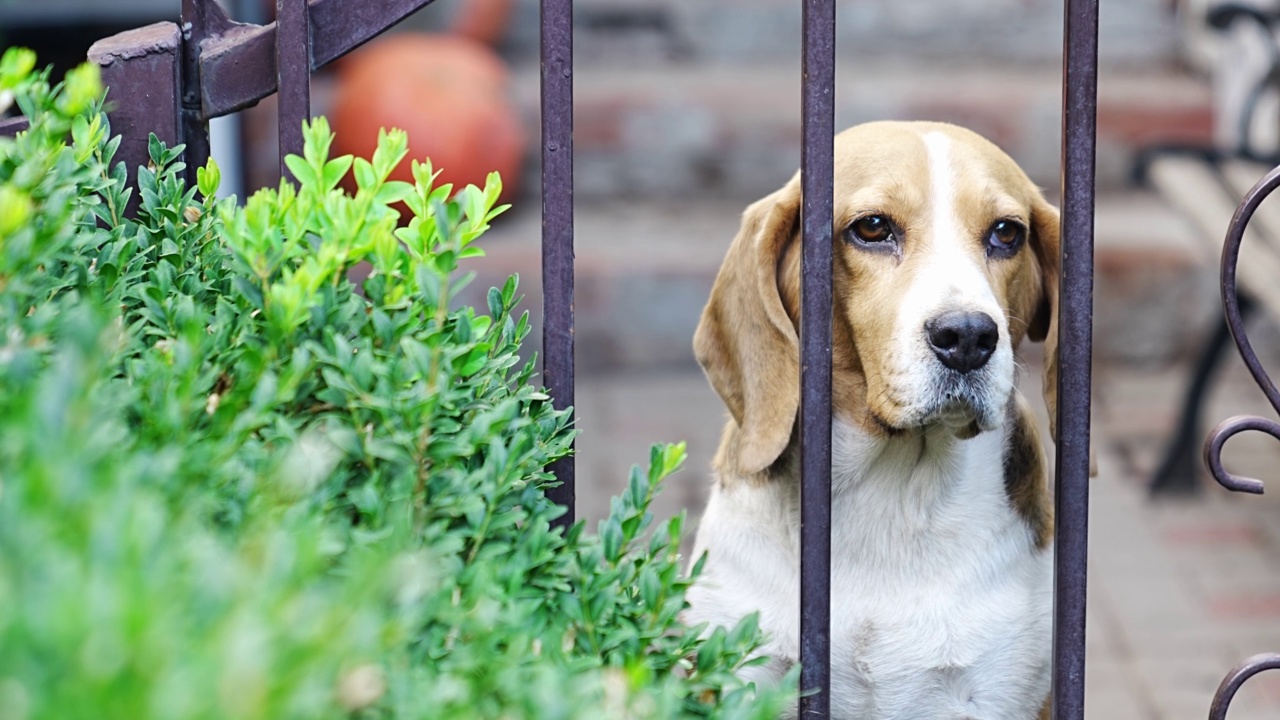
x=945 y=258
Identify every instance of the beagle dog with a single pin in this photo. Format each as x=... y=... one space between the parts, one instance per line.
x=945 y=258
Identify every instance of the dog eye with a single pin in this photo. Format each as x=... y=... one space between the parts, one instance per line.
x=1004 y=238
x=871 y=229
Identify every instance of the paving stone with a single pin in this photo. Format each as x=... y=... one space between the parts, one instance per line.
x=1114 y=692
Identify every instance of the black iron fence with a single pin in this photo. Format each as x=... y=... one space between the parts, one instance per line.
x=818 y=73
x=172 y=79
x=1234 y=310
x=1075 y=351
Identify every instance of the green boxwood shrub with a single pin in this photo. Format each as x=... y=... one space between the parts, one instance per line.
x=235 y=484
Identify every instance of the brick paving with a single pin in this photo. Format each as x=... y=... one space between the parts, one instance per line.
x=1187 y=588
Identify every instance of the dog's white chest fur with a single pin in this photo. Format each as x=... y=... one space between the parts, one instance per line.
x=941 y=605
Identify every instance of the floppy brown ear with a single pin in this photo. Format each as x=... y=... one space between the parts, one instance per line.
x=745 y=341
x=1048 y=249
x=1044 y=326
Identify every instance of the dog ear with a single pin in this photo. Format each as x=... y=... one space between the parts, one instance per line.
x=1045 y=242
x=1047 y=247
x=745 y=342
x=1045 y=221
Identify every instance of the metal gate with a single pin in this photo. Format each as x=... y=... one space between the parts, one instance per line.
x=172 y=80
x=1231 y=303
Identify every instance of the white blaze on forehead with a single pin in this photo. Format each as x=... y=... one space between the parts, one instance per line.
x=952 y=272
x=941 y=186
x=947 y=273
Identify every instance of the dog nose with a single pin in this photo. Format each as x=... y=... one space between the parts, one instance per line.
x=963 y=341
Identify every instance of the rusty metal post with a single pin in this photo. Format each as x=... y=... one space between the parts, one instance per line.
x=557 y=224
x=197 y=17
x=1075 y=349
x=142 y=71
x=817 y=175
x=293 y=74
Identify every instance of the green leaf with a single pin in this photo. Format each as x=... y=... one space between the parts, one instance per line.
x=638 y=488
x=392 y=146
x=301 y=171
x=15 y=66
x=334 y=170
x=16 y=209
x=365 y=177
x=393 y=191
x=711 y=649
x=611 y=539
x=155 y=150
x=492 y=189
x=496 y=305
x=208 y=178
x=650 y=587
x=474 y=361
x=746 y=630
x=249 y=290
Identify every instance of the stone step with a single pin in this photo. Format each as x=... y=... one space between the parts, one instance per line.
x=644 y=270
x=681 y=130
x=734 y=130
x=1019 y=31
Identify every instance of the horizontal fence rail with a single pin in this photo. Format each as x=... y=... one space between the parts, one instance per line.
x=337 y=28
x=171 y=79
x=12 y=126
x=1075 y=348
x=817 y=173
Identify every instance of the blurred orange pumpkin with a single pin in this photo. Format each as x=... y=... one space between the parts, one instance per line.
x=484 y=21
x=449 y=93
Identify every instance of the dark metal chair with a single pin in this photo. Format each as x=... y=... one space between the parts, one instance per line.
x=1180 y=467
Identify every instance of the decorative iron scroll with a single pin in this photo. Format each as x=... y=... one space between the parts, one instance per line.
x=1235 y=322
x=1240 y=423
x=1234 y=679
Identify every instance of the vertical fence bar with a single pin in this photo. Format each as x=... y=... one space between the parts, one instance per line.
x=557 y=223
x=1075 y=347
x=818 y=80
x=293 y=74
x=195 y=128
